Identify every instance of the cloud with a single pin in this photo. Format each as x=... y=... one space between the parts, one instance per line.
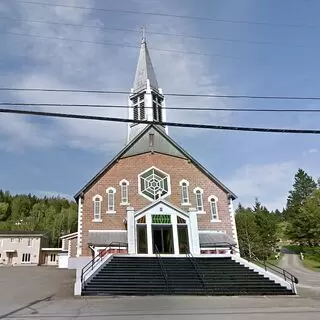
x=65 y=64
x=267 y=182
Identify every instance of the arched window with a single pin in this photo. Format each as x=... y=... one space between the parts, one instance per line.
x=214 y=208
x=199 y=199
x=111 y=192
x=97 y=207
x=184 y=192
x=124 y=186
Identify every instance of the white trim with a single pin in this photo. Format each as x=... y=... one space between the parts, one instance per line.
x=95 y=201
x=96 y=220
x=114 y=199
x=212 y=231
x=97 y=196
x=164 y=173
x=233 y=225
x=195 y=191
x=210 y=198
x=266 y=274
x=79 y=235
x=107 y=230
x=162 y=207
x=69 y=235
x=124 y=183
x=69 y=248
x=183 y=181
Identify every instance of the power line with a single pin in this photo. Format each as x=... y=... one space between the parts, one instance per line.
x=117 y=45
x=170 y=124
x=159 y=33
x=190 y=95
x=169 y=15
x=167 y=108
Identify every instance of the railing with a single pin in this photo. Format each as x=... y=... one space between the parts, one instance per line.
x=163 y=270
x=196 y=268
x=232 y=247
x=287 y=276
x=99 y=257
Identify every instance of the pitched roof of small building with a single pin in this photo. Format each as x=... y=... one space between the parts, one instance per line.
x=164 y=145
x=22 y=233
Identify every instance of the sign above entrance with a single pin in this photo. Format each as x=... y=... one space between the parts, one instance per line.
x=161 y=219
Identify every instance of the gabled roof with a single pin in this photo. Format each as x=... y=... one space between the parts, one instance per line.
x=69 y=235
x=165 y=149
x=160 y=202
x=22 y=233
x=144 y=70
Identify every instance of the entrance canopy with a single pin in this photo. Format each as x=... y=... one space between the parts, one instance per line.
x=162 y=227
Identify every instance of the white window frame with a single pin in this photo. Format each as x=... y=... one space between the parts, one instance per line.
x=196 y=191
x=168 y=180
x=97 y=217
x=111 y=208
x=124 y=188
x=214 y=199
x=184 y=183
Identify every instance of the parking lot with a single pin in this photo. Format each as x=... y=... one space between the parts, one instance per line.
x=47 y=293
x=24 y=285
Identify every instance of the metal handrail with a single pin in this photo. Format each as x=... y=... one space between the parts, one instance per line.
x=163 y=270
x=287 y=276
x=90 y=265
x=196 y=268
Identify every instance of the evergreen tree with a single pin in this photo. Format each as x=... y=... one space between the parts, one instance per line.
x=303 y=187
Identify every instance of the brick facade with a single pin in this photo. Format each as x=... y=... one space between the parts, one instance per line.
x=129 y=169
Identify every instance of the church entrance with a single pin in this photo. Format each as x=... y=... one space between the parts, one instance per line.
x=163 y=239
x=161 y=229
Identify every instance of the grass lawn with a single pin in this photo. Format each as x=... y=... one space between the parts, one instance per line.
x=311 y=264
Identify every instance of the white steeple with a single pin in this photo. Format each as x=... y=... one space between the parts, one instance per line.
x=146 y=101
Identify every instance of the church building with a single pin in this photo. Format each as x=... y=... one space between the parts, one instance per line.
x=153 y=196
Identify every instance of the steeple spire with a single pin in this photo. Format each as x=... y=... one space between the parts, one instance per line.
x=146 y=101
x=145 y=72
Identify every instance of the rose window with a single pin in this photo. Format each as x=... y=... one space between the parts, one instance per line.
x=154 y=184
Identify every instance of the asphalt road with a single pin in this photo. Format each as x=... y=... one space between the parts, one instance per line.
x=174 y=308
x=307 y=279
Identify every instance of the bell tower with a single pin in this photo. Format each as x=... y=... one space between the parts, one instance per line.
x=146 y=101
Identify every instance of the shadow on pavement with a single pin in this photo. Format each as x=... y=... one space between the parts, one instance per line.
x=3 y=316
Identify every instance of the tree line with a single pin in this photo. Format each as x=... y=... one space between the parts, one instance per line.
x=53 y=215
x=261 y=232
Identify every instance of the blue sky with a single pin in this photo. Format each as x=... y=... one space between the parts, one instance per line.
x=58 y=156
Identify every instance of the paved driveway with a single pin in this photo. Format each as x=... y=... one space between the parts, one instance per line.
x=23 y=285
x=308 y=280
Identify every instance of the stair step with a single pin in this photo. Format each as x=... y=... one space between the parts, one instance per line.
x=144 y=276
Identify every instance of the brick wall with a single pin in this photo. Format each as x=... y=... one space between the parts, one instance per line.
x=73 y=251
x=128 y=169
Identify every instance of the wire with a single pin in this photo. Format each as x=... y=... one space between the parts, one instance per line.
x=117 y=45
x=158 y=33
x=170 y=124
x=166 y=108
x=168 y=15
x=190 y=95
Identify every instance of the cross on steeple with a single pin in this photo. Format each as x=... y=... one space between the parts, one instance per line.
x=143 y=32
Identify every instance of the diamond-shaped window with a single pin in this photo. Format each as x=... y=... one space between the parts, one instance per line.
x=154 y=184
